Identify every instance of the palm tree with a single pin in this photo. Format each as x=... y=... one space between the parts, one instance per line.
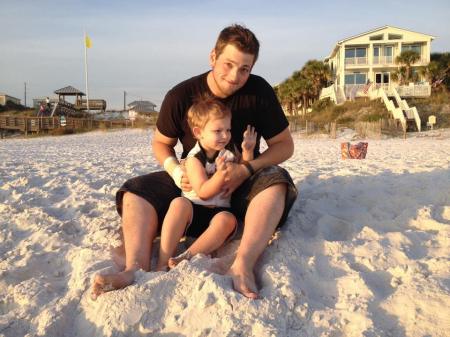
x=407 y=58
x=318 y=73
x=303 y=86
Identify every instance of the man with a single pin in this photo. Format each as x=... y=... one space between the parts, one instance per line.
x=262 y=193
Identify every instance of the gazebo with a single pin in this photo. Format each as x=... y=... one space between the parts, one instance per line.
x=70 y=91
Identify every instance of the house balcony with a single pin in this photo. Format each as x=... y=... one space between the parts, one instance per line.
x=405 y=91
x=356 y=61
x=414 y=90
x=383 y=60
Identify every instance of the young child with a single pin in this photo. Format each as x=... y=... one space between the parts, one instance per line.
x=203 y=212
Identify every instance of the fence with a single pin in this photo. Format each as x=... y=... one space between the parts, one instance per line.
x=372 y=130
x=27 y=124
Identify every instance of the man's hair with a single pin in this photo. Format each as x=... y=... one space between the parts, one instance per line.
x=204 y=109
x=240 y=37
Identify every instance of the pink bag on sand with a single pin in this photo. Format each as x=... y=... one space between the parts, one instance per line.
x=356 y=151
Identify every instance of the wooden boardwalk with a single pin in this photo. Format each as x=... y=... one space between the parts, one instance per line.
x=28 y=125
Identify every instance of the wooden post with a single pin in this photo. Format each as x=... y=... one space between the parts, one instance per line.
x=333 y=130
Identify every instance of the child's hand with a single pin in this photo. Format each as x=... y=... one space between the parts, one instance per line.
x=220 y=165
x=249 y=141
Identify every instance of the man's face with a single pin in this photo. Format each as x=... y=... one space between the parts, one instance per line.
x=230 y=71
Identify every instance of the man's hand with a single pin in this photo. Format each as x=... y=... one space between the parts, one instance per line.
x=235 y=175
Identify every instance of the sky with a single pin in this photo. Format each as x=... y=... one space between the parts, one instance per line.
x=147 y=47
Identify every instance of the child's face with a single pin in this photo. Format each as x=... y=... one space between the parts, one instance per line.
x=216 y=134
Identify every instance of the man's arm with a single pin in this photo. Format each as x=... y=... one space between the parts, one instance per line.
x=280 y=148
x=163 y=147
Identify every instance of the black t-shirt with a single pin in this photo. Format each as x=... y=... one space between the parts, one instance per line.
x=254 y=104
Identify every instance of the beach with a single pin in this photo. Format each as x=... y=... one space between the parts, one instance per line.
x=365 y=250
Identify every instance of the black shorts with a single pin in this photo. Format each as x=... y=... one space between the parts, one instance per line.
x=201 y=219
x=159 y=190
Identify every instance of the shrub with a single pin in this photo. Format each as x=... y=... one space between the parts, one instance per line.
x=373 y=117
x=322 y=104
x=345 y=120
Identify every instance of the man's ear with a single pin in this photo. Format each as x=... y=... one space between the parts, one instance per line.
x=196 y=131
x=212 y=57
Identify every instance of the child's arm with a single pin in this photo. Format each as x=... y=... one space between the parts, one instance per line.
x=248 y=143
x=204 y=187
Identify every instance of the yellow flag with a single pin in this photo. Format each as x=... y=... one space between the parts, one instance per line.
x=87 y=41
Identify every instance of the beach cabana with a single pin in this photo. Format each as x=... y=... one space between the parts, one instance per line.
x=70 y=91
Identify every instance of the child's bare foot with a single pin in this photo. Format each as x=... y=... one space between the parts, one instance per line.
x=162 y=268
x=173 y=261
x=105 y=283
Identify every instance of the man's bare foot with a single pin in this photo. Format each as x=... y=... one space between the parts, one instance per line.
x=118 y=256
x=173 y=261
x=105 y=283
x=243 y=280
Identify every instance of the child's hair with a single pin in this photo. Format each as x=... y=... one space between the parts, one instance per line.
x=204 y=109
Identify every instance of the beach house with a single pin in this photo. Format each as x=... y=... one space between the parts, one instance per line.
x=365 y=65
x=6 y=98
x=145 y=108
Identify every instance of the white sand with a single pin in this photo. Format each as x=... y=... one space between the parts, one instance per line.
x=365 y=251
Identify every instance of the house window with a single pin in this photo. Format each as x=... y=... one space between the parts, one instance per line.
x=413 y=47
x=382 y=78
x=388 y=51
x=355 y=78
x=349 y=53
x=376 y=51
x=394 y=37
x=376 y=37
x=356 y=55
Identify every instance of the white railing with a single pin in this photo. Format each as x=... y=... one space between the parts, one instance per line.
x=351 y=90
x=400 y=102
x=412 y=113
x=397 y=113
x=415 y=90
x=328 y=92
x=417 y=118
x=383 y=60
x=355 y=60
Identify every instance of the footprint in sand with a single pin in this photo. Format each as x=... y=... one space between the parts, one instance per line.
x=335 y=229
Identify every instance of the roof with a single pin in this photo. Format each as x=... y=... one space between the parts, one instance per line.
x=370 y=32
x=143 y=108
x=378 y=29
x=134 y=103
x=3 y=94
x=69 y=90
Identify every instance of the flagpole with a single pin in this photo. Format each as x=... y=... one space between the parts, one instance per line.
x=86 y=71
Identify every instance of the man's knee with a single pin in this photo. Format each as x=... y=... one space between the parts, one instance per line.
x=130 y=198
x=275 y=191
